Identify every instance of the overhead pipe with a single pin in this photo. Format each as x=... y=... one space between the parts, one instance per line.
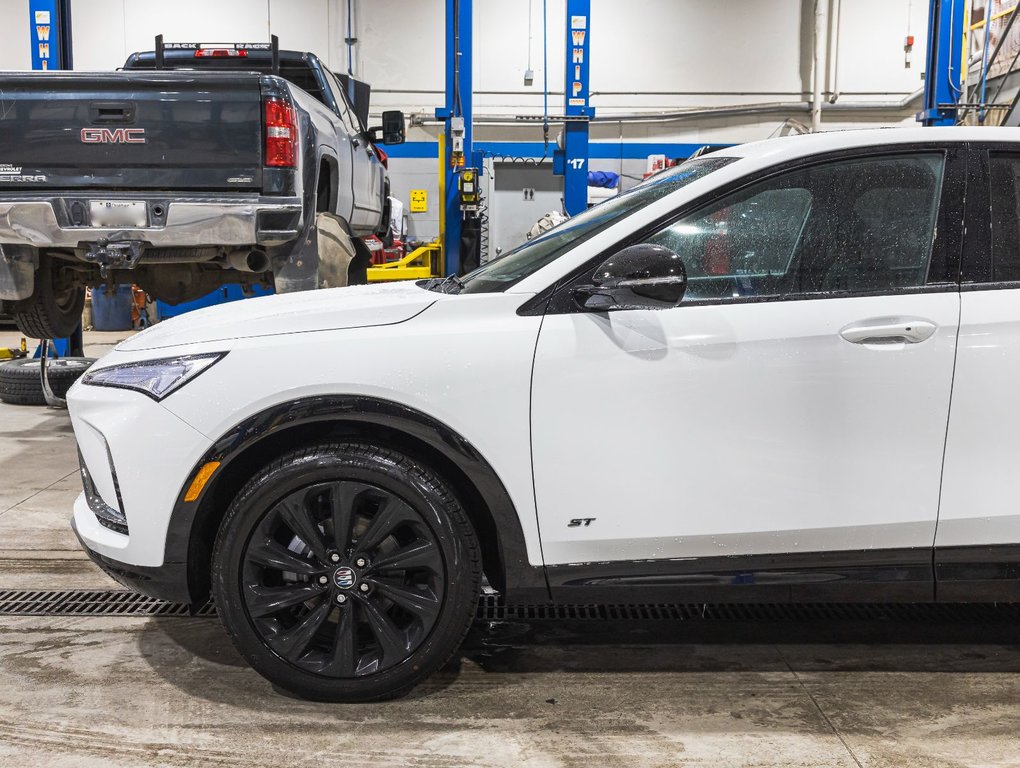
x=351 y=38
x=907 y=103
x=816 y=68
x=835 y=26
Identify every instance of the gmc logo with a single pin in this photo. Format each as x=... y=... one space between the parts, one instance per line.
x=113 y=136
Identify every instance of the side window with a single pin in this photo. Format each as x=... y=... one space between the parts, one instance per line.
x=1005 y=203
x=858 y=226
x=349 y=120
x=303 y=77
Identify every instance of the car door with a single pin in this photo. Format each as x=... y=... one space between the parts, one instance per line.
x=977 y=553
x=367 y=171
x=793 y=405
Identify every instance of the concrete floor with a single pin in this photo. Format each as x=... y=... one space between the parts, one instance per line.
x=126 y=691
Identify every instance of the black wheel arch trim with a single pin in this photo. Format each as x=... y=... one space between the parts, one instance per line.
x=328 y=416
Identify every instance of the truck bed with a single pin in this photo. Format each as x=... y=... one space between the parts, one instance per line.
x=171 y=130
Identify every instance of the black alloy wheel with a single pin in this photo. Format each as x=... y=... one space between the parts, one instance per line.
x=343 y=579
x=341 y=571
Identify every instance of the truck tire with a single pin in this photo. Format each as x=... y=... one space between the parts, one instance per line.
x=340 y=257
x=336 y=250
x=54 y=309
x=343 y=258
x=21 y=380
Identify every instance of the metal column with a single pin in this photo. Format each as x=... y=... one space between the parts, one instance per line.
x=458 y=105
x=572 y=161
x=50 y=40
x=942 y=83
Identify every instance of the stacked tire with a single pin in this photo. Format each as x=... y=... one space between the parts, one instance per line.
x=21 y=380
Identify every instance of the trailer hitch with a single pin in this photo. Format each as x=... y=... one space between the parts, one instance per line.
x=119 y=254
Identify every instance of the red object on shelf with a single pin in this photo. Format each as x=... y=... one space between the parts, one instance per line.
x=383 y=255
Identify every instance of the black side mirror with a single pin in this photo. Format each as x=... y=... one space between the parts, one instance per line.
x=643 y=276
x=392 y=128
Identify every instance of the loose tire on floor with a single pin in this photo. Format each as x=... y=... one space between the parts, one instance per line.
x=54 y=309
x=21 y=380
x=346 y=572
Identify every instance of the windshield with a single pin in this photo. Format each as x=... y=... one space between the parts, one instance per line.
x=503 y=272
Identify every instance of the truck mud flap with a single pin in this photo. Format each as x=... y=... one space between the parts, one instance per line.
x=17 y=275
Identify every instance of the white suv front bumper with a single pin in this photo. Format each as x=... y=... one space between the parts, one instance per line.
x=139 y=456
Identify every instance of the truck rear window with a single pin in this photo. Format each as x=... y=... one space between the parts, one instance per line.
x=298 y=73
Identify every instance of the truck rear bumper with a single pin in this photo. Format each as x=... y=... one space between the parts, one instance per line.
x=46 y=222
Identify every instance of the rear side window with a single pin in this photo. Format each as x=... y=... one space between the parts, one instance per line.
x=853 y=226
x=1005 y=205
x=348 y=118
x=304 y=78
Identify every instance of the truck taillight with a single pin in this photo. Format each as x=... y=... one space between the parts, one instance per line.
x=383 y=157
x=281 y=134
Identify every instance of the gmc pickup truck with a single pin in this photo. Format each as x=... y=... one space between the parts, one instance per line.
x=192 y=167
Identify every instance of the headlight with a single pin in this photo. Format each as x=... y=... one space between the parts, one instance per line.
x=155 y=378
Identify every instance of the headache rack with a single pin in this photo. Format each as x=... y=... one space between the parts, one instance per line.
x=214 y=50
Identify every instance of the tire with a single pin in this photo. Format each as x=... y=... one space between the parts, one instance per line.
x=335 y=248
x=54 y=309
x=333 y=641
x=21 y=381
x=357 y=272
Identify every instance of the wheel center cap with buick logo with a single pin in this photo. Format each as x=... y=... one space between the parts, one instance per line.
x=345 y=577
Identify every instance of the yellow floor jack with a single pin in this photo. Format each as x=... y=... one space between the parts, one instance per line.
x=10 y=353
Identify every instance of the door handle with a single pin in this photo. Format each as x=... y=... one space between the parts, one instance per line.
x=355 y=142
x=111 y=112
x=889 y=330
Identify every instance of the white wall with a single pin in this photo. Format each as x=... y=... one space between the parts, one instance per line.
x=105 y=32
x=15 y=53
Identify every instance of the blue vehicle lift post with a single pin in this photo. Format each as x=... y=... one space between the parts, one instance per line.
x=50 y=34
x=459 y=37
x=50 y=39
x=572 y=161
x=943 y=77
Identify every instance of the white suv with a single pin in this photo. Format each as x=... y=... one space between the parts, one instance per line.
x=783 y=372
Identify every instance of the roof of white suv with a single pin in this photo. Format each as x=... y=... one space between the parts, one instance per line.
x=830 y=141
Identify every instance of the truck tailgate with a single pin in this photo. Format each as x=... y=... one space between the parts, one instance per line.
x=130 y=130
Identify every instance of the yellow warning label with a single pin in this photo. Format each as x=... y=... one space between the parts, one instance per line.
x=419 y=200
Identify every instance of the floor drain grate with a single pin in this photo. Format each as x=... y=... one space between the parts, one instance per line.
x=493 y=608
x=90 y=603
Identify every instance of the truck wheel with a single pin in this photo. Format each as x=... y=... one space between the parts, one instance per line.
x=336 y=251
x=346 y=572
x=54 y=309
x=21 y=380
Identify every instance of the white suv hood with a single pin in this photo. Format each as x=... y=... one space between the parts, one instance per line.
x=322 y=310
